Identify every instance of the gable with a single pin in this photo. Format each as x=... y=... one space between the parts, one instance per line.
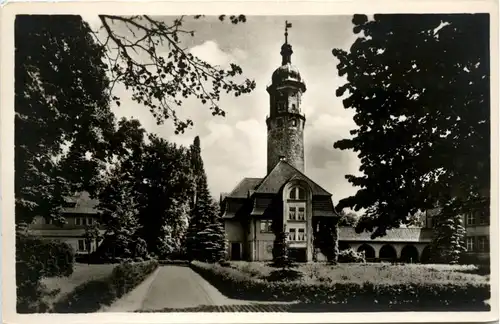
x=281 y=174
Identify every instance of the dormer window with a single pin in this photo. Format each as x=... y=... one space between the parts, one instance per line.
x=297 y=193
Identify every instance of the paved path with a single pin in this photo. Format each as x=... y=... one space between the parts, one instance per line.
x=171 y=287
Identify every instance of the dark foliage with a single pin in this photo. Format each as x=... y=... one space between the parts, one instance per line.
x=205 y=238
x=37 y=259
x=448 y=243
x=423 y=115
x=326 y=238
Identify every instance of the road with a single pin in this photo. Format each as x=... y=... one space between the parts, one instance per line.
x=171 y=287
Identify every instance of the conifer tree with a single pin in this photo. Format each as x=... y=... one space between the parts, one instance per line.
x=204 y=214
x=447 y=245
x=213 y=242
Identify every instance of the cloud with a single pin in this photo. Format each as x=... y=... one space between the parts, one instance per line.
x=210 y=52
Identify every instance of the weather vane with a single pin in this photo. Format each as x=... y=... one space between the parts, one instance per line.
x=287 y=25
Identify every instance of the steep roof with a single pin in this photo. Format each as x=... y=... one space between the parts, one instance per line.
x=241 y=190
x=281 y=174
x=80 y=203
x=393 y=235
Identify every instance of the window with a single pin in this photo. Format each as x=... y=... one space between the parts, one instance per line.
x=81 y=245
x=294 y=107
x=89 y=220
x=302 y=235
x=87 y=245
x=78 y=221
x=291 y=234
x=301 y=213
x=291 y=213
x=265 y=226
x=482 y=244
x=294 y=122
x=297 y=193
x=471 y=219
x=302 y=194
x=483 y=219
x=470 y=243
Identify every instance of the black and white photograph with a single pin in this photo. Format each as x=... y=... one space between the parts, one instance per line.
x=250 y=163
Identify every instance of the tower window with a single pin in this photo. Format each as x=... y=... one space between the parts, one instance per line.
x=294 y=107
x=294 y=123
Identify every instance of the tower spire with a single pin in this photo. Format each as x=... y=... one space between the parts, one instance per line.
x=286 y=49
x=287 y=25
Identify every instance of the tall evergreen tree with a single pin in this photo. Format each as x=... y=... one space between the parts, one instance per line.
x=448 y=243
x=205 y=239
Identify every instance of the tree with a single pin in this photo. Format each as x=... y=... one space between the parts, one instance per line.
x=161 y=82
x=448 y=243
x=167 y=180
x=348 y=219
x=417 y=219
x=422 y=112
x=205 y=210
x=62 y=120
x=92 y=234
x=213 y=242
x=280 y=250
x=204 y=214
x=59 y=79
x=119 y=194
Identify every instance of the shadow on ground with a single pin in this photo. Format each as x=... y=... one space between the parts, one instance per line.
x=86 y=298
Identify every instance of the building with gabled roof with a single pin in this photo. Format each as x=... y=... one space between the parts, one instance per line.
x=285 y=195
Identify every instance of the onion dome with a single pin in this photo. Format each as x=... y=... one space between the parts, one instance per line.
x=287 y=72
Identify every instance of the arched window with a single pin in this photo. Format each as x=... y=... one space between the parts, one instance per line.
x=297 y=193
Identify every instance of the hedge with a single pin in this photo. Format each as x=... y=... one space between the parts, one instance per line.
x=36 y=259
x=354 y=296
x=93 y=295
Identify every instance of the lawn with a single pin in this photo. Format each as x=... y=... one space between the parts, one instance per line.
x=81 y=273
x=378 y=273
x=355 y=286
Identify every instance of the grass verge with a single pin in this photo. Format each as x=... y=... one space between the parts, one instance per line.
x=94 y=294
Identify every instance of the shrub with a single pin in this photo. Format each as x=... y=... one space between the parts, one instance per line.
x=355 y=295
x=37 y=259
x=351 y=256
x=93 y=295
x=284 y=275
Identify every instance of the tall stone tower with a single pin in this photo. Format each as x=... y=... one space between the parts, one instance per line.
x=285 y=123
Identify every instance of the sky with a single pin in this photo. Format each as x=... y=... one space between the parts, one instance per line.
x=235 y=146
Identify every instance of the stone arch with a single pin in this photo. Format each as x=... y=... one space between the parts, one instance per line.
x=409 y=254
x=369 y=251
x=426 y=254
x=344 y=245
x=388 y=253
